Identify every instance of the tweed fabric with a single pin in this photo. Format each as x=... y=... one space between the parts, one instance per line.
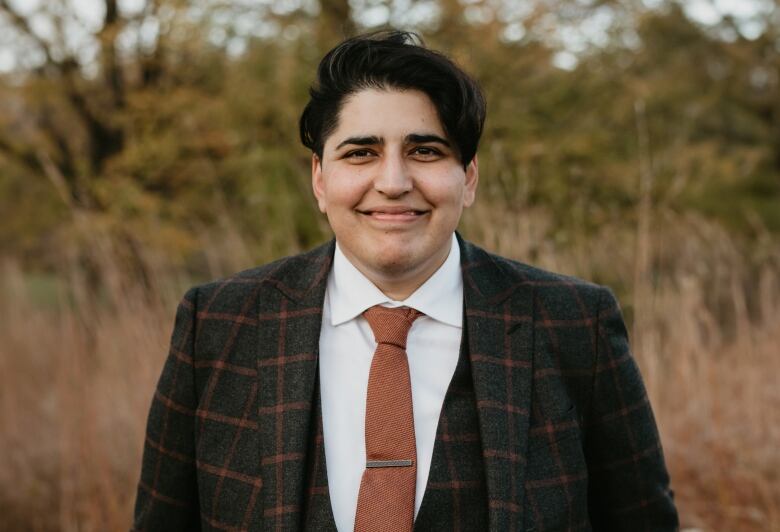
x=318 y=511
x=386 y=497
x=455 y=496
x=567 y=435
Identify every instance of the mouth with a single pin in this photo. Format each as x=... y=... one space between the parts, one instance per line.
x=393 y=214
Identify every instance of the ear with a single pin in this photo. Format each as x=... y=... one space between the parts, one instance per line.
x=317 y=182
x=472 y=179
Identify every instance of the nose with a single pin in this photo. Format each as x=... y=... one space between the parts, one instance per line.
x=393 y=178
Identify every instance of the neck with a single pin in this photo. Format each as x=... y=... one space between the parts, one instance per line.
x=399 y=290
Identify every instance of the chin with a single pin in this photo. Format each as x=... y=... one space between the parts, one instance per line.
x=393 y=261
x=400 y=255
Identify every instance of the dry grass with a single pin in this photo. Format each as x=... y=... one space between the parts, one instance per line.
x=705 y=332
x=76 y=380
x=77 y=373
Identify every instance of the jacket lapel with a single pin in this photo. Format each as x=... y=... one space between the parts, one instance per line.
x=289 y=321
x=499 y=323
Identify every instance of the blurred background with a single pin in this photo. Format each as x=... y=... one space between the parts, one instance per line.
x=146 y=145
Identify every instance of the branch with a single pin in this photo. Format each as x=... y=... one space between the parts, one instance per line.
x=152 y=64
x=335 y=22
x=104 y=140
x=59 y=139
x=51 y=171
x=23 y=26
x=25 y=158
x=112 y=71
x=39 y=162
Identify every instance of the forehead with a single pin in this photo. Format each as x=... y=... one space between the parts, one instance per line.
x=388 y=114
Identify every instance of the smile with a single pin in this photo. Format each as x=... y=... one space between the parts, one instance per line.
x=393 y=214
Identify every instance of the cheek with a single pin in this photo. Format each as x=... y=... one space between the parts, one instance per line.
x=347 y=190
x=444 y=185
x=447 y=194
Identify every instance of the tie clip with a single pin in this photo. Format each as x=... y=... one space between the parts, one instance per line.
x=389 y=463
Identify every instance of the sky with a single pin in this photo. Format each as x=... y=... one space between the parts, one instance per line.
x=712 y=11
x=90 y=12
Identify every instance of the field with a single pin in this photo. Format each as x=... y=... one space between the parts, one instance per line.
x=149 y=145
x=78 y=366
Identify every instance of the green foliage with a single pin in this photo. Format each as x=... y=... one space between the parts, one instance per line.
x=197 y=140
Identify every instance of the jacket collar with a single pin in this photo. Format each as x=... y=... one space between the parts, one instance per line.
x=302 y=278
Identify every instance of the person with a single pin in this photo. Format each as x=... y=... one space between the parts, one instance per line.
x=399 y=376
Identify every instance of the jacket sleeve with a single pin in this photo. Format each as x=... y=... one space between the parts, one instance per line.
x=167 y=497
x=628 y=482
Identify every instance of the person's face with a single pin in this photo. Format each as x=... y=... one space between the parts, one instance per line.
x=392 y=185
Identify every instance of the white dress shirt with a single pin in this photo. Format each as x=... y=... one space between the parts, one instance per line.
x=346 y=348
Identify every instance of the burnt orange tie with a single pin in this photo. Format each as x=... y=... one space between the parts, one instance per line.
x=387 y=489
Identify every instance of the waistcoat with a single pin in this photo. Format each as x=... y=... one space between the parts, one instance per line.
x=455 y=496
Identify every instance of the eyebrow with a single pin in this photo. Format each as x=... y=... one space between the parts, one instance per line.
x=360 y=141
x=416 y=138
x=412 y=138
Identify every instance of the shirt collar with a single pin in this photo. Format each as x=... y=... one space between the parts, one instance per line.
x=440 y=297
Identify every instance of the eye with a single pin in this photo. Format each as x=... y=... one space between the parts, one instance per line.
x=358 y=154
x=426 y=152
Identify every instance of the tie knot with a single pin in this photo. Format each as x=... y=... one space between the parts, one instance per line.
x=391 y=325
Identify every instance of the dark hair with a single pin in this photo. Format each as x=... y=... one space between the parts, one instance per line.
x=399 y=60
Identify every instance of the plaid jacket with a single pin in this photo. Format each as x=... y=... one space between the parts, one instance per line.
x=568 y=437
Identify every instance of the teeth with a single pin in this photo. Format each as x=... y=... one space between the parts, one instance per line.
x=413 y=213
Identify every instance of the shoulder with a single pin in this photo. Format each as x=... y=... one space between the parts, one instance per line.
x=553 y=291
x=290 y=276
